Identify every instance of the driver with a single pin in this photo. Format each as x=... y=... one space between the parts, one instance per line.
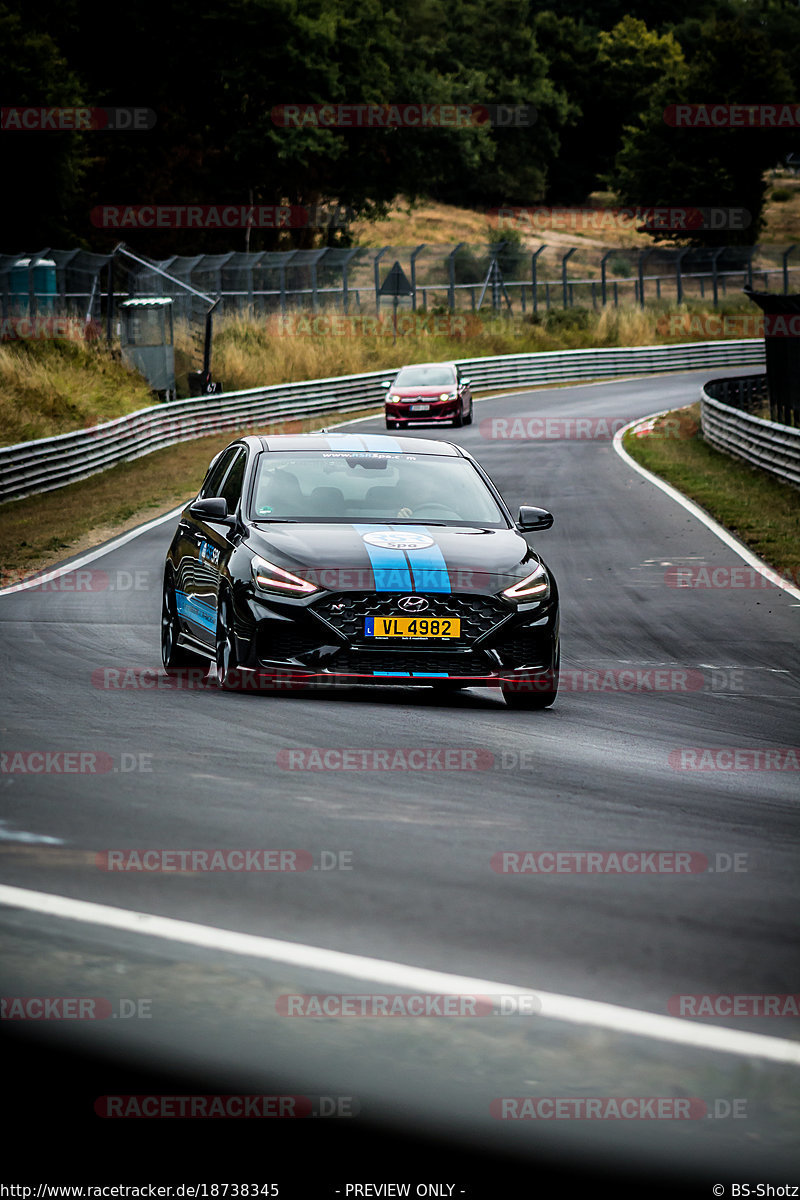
x=424 y=492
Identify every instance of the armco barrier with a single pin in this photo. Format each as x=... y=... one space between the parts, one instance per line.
x=54 y=462
x=766 y=444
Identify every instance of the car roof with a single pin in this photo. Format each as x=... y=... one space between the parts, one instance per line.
x=411 y=366
x=355 y=443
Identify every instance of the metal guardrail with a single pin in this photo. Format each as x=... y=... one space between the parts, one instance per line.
x=50 y=463
x=749 y=393
x=766 y=444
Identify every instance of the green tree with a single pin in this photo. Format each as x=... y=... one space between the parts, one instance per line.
x=703 y=167
x=43 y=170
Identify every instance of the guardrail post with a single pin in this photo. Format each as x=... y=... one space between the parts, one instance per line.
x=786 y=269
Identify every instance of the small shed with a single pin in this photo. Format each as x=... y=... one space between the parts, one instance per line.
x=147 y=340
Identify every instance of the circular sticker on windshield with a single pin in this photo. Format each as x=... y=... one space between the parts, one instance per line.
x=399 y=541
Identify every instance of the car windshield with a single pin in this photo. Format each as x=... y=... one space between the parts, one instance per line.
x=367 y=486
x=434 y=376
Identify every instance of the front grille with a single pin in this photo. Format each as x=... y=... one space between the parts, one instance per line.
x=478 y=614
x=472 y=663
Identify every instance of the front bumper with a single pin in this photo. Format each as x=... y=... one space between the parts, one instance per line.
x=321 y=642
x=440 y=410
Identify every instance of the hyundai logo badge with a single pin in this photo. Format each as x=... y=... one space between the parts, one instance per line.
x=413 y=604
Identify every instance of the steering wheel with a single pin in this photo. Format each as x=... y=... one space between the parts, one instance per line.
x=442 y=508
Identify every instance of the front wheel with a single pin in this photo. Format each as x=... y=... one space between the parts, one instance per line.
x=174 y=657
x=523 y=694
x=468 y=417
x=229 y=677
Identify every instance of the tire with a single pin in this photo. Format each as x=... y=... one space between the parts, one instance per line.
x=229 y=677
x=391 y=424
x=468 y=418
x=534 y=700
x=458 y=420
x=175 y=658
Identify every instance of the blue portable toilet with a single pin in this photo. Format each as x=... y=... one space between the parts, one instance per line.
x=35 y=276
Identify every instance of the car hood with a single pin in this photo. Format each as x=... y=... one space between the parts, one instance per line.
x=427 y=389
x=422 y=558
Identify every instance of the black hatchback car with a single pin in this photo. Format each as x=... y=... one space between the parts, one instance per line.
x=323 y=559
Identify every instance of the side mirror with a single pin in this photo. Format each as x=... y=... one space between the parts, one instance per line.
x=531 y=518
x=466 y=382
x=212 y=508
x=387 y=384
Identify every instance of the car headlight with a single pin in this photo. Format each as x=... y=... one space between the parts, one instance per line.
x=269 y=578
x=535 y=586
x=393 y=397
x=447 y=395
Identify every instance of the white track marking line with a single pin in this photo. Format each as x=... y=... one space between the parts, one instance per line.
x=91 y=556
x=420 y=979
x=738 y=548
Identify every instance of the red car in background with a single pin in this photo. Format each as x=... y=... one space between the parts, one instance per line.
x=428 y=393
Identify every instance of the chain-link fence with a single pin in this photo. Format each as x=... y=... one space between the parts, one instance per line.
x=501 y=276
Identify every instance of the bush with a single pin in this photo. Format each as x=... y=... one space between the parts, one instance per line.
x=568 y=319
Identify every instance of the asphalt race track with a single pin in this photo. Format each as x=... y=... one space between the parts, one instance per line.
x=408 y=874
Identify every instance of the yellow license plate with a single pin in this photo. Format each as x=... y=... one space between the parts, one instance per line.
x=412 y=627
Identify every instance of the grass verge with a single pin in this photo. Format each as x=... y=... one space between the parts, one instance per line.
x=754 y=506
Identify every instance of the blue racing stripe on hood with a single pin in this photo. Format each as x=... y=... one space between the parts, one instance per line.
x=389 y=567
x=427 y=565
